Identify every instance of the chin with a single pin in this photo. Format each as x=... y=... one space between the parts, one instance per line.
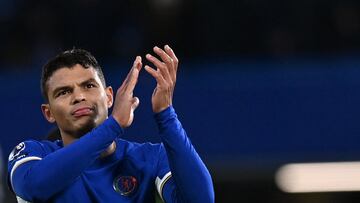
x=85 y=128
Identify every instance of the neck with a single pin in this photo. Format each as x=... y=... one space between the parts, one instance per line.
x=69 y=139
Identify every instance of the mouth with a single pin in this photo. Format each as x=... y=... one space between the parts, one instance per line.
x=83 y=111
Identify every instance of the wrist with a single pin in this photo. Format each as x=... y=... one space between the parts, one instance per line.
x=165 y=113
x=165 y=117
x=160 y=109
x=114 y=125
x=118 y=121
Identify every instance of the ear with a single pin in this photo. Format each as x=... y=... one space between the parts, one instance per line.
x=110 y=96
x=45 y=108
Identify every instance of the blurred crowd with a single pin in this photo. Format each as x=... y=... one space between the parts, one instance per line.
x=31 y=31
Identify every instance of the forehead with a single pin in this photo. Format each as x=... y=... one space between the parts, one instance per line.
x=70 y=76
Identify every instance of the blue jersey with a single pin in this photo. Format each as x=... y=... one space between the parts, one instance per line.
x=43 y=171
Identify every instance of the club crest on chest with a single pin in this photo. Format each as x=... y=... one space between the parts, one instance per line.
x=125 y=185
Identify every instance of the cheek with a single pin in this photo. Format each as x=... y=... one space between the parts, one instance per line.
x=58 y=111
x=59 y=114
x=103 y=102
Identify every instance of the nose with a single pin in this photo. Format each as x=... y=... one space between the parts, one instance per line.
x=78 y=96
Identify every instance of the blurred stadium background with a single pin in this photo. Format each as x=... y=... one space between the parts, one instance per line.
x=261 y=83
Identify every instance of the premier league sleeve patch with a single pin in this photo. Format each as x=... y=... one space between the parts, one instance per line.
x=18 y=152
x=22 y=153
x=125 y=185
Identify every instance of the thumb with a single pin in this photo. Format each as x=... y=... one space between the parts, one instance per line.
x=135 y=103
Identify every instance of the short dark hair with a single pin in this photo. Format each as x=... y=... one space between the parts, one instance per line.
x=69 y=59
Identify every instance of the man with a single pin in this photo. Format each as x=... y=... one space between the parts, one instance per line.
x=92 y=163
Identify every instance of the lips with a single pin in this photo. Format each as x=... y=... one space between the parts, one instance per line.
x=83 y=111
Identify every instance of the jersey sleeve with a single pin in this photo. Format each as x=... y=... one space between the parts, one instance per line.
x=35 y=177
x=189 y=179
x=24 y=152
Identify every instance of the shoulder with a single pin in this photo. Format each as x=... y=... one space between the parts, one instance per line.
x=22 y=149
x=32 y=148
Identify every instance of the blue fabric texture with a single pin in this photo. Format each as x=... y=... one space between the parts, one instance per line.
x=44 y=171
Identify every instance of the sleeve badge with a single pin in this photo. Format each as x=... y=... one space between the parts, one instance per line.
x=16 y=152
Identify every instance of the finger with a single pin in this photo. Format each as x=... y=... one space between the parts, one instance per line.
x=164 y=57
x=136 y=61
x=126 y=80
x=161 y=66
x=133 y=75
x=158 y=77
x=175 y=60
x=171 y=53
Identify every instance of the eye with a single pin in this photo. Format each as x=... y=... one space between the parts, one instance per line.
x=90 y=85
x=62 y=93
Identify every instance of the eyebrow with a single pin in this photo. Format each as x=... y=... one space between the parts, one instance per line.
x=88 y=81
x=65 y=87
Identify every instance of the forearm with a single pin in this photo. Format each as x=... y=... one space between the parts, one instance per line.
x=188 y=170
x=42 y=179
